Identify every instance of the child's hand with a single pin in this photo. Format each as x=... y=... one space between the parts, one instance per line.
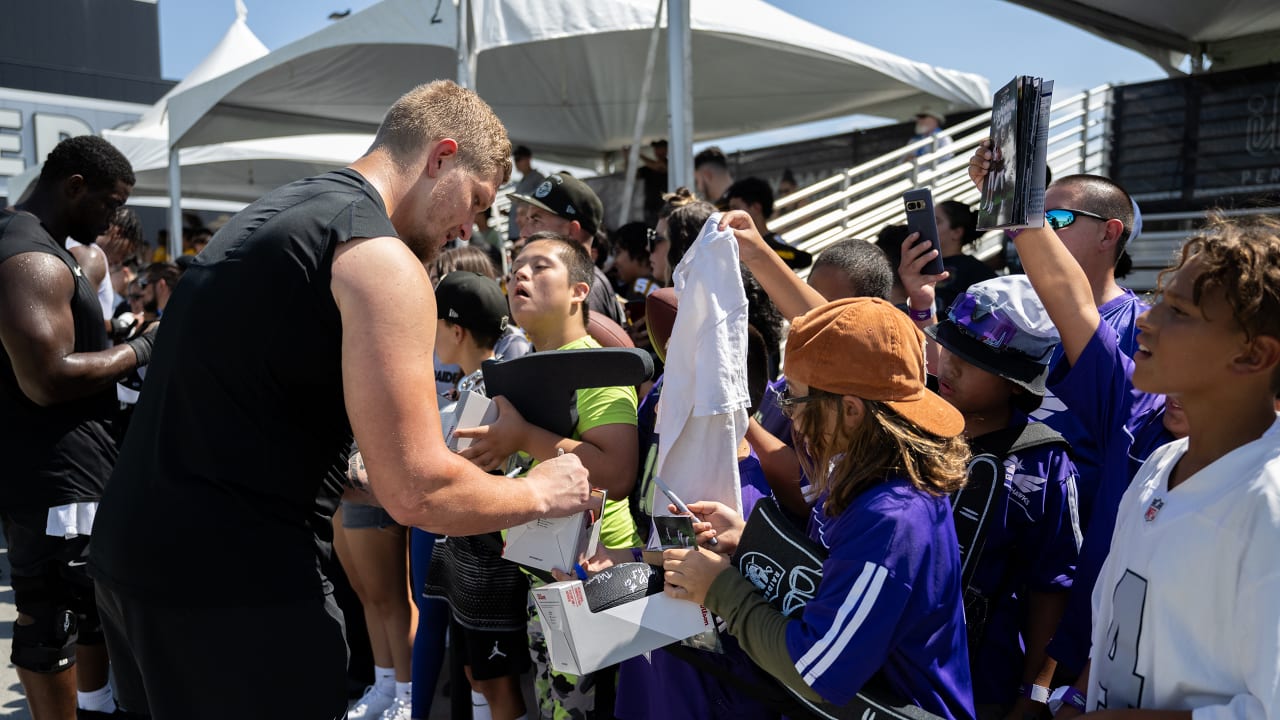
x=492 y=444
x=716 y=521
x=689 y=573
x=980 y=163
x=921 y=288
x=750 y=244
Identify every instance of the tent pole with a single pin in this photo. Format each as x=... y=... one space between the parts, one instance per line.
x=679 y=95
x=466 y=60
x=175 y=205
x=642 y=109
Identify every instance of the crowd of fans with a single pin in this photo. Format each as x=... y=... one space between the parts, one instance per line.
x=1035 y=493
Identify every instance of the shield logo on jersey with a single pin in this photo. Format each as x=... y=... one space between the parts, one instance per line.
x=1153 y=509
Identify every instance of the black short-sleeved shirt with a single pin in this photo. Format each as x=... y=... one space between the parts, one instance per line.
x=233 y=463
x=62 y=453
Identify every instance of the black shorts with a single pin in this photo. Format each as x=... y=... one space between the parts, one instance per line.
x=51 y=567
x=286 y=661
x=490 y=653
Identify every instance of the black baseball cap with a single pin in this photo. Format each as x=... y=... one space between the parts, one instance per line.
x=568 y=197
x=472 y=301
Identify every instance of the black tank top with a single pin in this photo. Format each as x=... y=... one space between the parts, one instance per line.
x=233 y=462
x=62 y=453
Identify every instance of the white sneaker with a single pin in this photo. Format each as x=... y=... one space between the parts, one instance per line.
x=399 y=710
x=371 y=705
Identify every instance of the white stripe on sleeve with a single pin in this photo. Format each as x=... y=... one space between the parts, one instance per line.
x=857 y=603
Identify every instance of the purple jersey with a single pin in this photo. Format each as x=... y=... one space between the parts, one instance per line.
x=889 y=602
x=1121 y=315
x=1129 y=425
x=770 y=416
x=1032 y=545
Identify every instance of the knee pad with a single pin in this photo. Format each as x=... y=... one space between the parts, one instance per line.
x=47 y=645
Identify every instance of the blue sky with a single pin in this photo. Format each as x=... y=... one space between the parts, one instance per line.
x=993 y=38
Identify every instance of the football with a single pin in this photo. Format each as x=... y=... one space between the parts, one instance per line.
x=660 y=316
x=607 y=332
x=621 y=584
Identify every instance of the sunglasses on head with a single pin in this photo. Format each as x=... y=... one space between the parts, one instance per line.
x=1059 y=218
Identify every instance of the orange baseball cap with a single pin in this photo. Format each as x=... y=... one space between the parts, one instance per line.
x=867 y=348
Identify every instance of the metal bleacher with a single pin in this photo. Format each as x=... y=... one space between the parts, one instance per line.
x=860 y=200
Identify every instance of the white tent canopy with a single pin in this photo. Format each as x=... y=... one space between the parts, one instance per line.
x=1229 y=33
x=565 y=75
x=236 y=171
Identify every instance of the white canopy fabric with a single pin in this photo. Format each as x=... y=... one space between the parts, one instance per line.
x=145 y=142
x=565 y=75
x=237 y=171
x=1228 y=33
x=244 y=171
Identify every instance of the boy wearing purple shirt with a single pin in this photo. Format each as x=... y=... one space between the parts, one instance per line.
x=995 y=344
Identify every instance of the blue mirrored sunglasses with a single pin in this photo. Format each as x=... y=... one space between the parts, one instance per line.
x=1059 y=218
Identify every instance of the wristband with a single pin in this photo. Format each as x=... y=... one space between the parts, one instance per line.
x=1035 y=693
x=919 y=315
x=141 y=347
x=637 y=554
x=1066 y=696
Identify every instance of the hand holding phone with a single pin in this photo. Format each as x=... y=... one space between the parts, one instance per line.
x=920 y=219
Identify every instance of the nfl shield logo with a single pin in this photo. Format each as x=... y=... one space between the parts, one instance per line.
x=1154 y=509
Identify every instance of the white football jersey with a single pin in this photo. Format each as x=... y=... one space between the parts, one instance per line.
x=1186 y=610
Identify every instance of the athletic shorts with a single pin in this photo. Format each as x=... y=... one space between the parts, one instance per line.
x=490 y=653
x=365 y=517
x=54 y=566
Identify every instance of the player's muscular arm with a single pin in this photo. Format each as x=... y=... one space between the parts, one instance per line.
x=38 y=332
x=388 y=316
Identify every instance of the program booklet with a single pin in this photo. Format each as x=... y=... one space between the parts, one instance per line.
x=1013 y=194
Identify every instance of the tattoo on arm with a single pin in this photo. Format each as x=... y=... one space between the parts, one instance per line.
x=357 y=476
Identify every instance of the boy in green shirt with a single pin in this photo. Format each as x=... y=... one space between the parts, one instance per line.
x=547 y=291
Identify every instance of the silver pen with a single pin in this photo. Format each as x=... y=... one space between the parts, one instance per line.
x=675 y=500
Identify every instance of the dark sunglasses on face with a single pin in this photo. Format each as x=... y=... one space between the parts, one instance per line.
x=1059 y=218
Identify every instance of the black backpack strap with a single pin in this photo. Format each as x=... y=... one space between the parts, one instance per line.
x=971 y=505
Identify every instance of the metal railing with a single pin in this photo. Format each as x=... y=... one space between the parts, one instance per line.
x=862 y=199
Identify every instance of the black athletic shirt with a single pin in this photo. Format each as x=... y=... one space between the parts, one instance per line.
x=63 y=453
x=233 y=463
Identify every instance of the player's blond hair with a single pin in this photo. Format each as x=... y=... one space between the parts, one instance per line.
x=443 y=109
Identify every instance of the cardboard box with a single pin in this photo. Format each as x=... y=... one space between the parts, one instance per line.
x=581 y=641
x=556 y=543
x=471 y=410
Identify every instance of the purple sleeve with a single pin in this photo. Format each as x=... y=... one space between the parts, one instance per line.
x=1099 y=387
x=770 y=416
x=1051 y=559
x=845 y=633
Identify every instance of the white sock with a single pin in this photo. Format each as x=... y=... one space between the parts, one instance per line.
x=100 y=700
x=480 y=707
x=385 y=680
x=404 y=691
